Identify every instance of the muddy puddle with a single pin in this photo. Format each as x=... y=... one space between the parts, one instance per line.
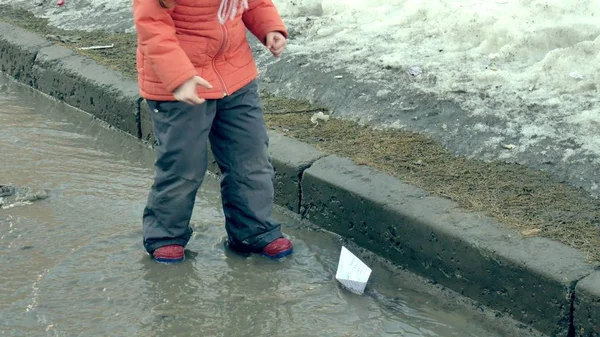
x=72 y=264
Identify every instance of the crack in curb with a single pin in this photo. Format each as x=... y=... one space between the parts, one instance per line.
x=34 y=63
x=138 y=117
x=571 y=332
x=301 y=171
x=572 y=328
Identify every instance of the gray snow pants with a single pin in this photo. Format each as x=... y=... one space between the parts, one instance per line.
x=238 y=138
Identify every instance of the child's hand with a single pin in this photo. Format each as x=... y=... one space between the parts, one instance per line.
x=276 y=43
x=187 y=91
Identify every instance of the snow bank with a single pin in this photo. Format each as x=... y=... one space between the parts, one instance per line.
x=495 y=57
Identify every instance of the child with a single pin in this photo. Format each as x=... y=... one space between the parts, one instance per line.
x=197 y=73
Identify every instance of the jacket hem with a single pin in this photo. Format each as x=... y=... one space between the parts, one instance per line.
x=214 y=95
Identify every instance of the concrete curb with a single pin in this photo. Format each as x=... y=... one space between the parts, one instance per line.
x=81 y=82
x=536 y=281
x=63 y=74
x=532 y=280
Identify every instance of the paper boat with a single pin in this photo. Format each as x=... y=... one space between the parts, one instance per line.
x=352 y=273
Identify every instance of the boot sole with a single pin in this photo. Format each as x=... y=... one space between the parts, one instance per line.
x=167 y=260
x=280 y=254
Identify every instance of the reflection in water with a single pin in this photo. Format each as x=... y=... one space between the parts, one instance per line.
x=73 y=264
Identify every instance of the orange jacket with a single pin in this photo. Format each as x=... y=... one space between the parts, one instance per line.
x=178 y=43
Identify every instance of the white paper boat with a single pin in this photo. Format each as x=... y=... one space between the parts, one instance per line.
x=352 y=273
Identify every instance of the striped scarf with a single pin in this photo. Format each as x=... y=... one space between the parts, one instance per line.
x=229 y=8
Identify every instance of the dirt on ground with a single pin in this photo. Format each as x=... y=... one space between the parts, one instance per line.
x=533 y=202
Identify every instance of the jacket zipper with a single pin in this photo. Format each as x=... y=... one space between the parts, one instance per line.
x=224 y=39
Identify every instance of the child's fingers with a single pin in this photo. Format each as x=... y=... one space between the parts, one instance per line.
x=277 y=52
x=278 y=44
x=202 y=82
x=270 y=41
x=194 y=99
x=190 y=98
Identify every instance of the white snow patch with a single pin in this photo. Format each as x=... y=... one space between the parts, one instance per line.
x=520 y=53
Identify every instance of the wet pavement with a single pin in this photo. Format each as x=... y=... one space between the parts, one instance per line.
x=73 y=264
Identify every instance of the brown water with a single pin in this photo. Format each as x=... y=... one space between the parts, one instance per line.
x=73 y=264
